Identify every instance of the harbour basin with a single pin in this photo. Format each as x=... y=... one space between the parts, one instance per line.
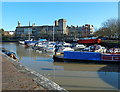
x=71 y=76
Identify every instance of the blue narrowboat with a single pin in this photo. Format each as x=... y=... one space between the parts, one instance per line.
x=87 y=56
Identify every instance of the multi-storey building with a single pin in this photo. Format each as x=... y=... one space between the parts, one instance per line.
x=80 y=31
x=60 y=29
x=88 y=30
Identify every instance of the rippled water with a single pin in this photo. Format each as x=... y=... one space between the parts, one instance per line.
x=72 y=76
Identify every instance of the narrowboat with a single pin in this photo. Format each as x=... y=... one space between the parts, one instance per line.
x=87 y=57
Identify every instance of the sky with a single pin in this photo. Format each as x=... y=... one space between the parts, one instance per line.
x=45 y=13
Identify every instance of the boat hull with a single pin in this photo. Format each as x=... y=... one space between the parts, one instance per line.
x=85 y=41
x=60 y=59
x=30 y=43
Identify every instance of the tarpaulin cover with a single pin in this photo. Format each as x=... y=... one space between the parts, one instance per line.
x=82 y=55
x=42 y=40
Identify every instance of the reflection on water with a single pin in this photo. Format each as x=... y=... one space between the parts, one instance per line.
x=111 y=78
x=28 y=52
x=72 y=76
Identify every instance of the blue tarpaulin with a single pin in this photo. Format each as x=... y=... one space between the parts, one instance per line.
x=42 y=40
x=82 y=55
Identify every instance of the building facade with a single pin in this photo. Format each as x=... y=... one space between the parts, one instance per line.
x=80 y=31
x=9 y=33
x=59 y=29
x=87 y=30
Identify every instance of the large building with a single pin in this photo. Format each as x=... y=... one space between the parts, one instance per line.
x=80 y=31
x=60 y=29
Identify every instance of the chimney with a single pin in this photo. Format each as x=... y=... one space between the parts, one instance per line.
x=19 y=24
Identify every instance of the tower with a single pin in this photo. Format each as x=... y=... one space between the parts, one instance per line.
x=62 y=25
x=56 y=23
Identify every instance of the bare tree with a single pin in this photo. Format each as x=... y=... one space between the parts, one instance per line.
x=1 y=32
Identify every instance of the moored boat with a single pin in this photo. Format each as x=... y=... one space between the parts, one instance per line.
x=64 y=47
x=90 y=40
x=87 y=56
x=79 y=47
x=50 y=48
x=30 y=43
x=21 y=42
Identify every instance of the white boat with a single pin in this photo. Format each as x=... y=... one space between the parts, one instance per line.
x=97 y=48
x=79 y=47
x=66 y=44
x=38 y=51
x=50 y=48
x=113 y=50
x=45 y=46
x=22 y=42
x=40 y=44
x=68 y=49
x=65 y=47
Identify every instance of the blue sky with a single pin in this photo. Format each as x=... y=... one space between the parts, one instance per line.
x=44 y=13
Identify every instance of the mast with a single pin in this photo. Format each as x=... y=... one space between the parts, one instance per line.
x=29 y=23
x=53 y=33
x=29 y=32
x=29 y=35
x=75 y=34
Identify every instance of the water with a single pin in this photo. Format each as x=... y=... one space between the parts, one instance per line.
x=71 y=76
